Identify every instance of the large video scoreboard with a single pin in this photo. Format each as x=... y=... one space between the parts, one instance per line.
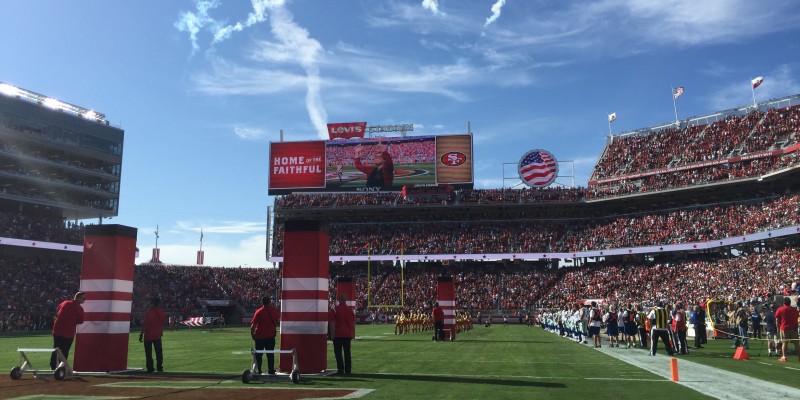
x=374 y=164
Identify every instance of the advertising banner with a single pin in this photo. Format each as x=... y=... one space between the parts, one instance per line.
x=454 y=159
x=297 y=165
x=370 y=165
x=347 y=130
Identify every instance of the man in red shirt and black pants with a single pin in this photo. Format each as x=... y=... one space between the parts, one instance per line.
x=438 y=322
x=344 y=330
x=263 y=328
x=152 y=330
x=786 y=319
x=69 y=315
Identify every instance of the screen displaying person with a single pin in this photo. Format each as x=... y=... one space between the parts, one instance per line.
x=381 y=172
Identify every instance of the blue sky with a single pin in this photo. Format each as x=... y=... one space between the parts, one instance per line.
x=202 y=87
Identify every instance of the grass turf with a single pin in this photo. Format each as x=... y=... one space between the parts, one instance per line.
x=499 y=363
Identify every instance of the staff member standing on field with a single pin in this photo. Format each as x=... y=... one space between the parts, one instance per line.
x=152 y=330
x=263 y=330
x=69 y=315
x=659 y=322
x=786 y=319
x=344 y=330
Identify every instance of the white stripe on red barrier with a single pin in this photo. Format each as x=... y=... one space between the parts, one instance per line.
x=447 y=303
x=449 y=311
x=305 y=284
x=449 y=321
x=304 y=327
x=106 y=285
x=304 y=305
x=115 y=306
x=105 y=327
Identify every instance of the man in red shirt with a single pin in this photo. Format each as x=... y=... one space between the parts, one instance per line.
x=152 y=330
x=263 y=330
x=69 y=315
x=679 y=327
x=786 y=319
x=438 y=322
x=344 y=330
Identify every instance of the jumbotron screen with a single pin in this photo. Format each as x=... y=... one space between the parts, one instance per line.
x=370 y=164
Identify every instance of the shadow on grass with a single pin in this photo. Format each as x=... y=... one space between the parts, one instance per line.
x=451 y=379
x=468 y=340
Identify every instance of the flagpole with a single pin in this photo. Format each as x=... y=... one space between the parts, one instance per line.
x=674 y=105
x=752 y=89
x=608 y=117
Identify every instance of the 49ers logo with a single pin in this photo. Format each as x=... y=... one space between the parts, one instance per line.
x=453 y=159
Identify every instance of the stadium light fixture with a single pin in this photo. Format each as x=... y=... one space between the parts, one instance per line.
x=8 y=90
x=53 y=103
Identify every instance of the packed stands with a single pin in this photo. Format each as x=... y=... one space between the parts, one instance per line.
x=47 y=229
x=684 y=225
x=737 y=147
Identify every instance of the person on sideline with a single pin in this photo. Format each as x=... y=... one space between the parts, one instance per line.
x=595 y=322
x=771 y=328
x=263 y=328
x=344 y=330
x=68 y=316
x=786 y=319
x=659 y=322
x=699 y=321
x=679 y=327
x=152 y=330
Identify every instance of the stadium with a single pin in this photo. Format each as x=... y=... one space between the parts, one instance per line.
x=702 y=210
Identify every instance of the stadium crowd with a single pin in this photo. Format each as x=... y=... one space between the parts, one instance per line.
x=687 y=225
x=34 y=287
x=673 y=147
x=21 y=226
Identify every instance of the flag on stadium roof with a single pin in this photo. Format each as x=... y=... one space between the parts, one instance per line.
x=612 y=117
x=678 y=92
x=757 y=82
x=538 y=168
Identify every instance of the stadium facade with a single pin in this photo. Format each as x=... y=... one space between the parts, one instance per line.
x=59 y=164
x=743 y=155
x=58 y=157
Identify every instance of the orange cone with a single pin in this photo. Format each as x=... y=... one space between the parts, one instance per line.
x=741 y=354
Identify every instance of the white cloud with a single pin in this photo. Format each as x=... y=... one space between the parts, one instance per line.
x=225 y=243
x=221 y=227
x=249 y=251
x=227 y=78
x=777 y=83
x=497 y=8
x=432 y=6
x=249 y=133
x=194 y=22
x=293 y=45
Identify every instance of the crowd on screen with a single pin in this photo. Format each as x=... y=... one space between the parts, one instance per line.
x=404 y=152
x=687 y=225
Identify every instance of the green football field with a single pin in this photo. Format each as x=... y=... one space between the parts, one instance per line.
x=499 y=362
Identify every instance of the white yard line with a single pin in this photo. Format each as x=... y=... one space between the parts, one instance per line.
x=707 y=380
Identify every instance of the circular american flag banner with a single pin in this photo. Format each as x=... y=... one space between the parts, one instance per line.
x=538 y=168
